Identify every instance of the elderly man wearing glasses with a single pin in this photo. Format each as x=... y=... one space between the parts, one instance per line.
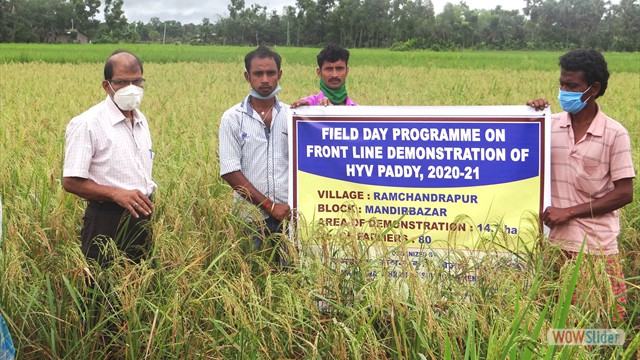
x=108 y=160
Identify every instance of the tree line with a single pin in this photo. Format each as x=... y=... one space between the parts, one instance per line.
x=395 y=24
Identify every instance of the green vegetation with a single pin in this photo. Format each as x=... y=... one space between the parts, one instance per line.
x=496 y=60
x=201 y=297
x=401 y=25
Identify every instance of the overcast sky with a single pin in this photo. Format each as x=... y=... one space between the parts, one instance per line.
x=193 y=11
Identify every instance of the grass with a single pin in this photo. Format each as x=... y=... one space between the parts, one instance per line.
x=166 y=54
x=201 y=296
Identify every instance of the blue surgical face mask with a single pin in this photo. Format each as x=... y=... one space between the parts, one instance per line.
x=570 y=100
x=254 y=94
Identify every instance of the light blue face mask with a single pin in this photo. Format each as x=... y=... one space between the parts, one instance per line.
x=254 y=94
x=570 y=100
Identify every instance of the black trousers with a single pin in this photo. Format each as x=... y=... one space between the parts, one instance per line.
x=271 y=232
x=107 y=220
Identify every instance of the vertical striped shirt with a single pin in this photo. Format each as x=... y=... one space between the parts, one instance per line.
x=261 y=154
x=585 y=171
x=102 y=145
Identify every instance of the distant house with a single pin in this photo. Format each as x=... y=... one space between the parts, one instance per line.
x=69 y=36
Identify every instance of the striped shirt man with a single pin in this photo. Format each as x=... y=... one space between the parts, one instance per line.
x=584 y=171
x=261 y=154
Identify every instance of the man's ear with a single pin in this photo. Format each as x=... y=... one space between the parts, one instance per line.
x=595 y=89
x=246 y=76
x=318 y=71
x=105 y=86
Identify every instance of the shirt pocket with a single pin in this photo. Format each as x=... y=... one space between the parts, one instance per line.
x=592 y=175
x=284 y=143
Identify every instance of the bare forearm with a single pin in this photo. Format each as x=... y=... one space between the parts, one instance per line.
x=133 y=200
x=243 y=186
x=620 y=196
x=88 y=189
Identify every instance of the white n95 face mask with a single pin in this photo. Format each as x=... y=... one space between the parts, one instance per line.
x=129 y=97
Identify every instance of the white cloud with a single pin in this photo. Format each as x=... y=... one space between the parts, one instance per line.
x=189 y=11
x=193 y=11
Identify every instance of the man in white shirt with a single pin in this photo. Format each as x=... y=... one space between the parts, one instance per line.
x=108 y=161
x=254 y=153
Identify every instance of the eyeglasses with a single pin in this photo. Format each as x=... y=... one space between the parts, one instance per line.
x=124 y=82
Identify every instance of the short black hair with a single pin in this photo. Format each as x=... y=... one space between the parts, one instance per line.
x=262 y=52
x=108 y=66
x=591 y=63
x=333 y=53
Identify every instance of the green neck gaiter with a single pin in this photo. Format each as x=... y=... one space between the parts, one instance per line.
x=336 y=96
